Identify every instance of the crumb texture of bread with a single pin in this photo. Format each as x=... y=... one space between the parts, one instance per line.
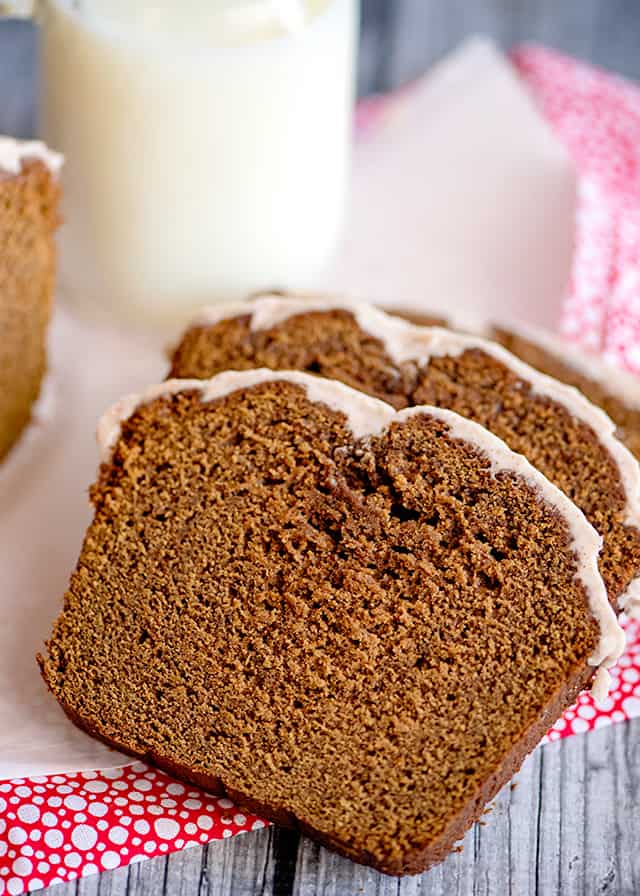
x=474 y=384
x=626 y=418
x=361 y=638
x=539 y=357
x=29 y=216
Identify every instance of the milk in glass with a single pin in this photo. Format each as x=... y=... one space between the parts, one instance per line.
x=206 y=142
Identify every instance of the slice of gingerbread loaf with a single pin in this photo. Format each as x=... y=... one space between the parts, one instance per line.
x=616 y=392
x=565 y=436
x=28 y=218
x=612 y=389
x=348 y=619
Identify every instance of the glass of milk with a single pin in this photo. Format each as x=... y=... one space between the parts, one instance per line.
x=207 y=146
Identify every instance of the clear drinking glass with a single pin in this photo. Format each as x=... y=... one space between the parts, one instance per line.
x=207 y=146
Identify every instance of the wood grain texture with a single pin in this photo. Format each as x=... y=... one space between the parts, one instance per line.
x=17 y=79
x=568 y=825
x=401 y=38
x=571 y=826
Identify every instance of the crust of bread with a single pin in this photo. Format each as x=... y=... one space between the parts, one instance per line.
x=414 y=862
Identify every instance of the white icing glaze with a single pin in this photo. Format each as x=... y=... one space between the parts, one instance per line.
x=601 y=685
x=586 y=543
x=616 y=382
x=629 y=601
x=14 y=152
x=368 y=416
x=404 y=341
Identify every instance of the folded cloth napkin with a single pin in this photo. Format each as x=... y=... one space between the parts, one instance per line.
x=597 y=116
x=59 y=827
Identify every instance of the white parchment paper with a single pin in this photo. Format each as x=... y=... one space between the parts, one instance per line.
x=44 y=511
x=462 y=201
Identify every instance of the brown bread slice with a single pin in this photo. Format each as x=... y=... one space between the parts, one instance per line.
x=347 y=620
x=28 y=219
x=559 y=431
x=613 y=390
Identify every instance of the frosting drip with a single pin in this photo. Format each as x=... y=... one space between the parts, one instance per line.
x=14 y=152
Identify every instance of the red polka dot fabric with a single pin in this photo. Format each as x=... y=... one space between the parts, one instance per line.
x=63 y=827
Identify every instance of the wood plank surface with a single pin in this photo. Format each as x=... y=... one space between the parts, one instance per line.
x=568 y=825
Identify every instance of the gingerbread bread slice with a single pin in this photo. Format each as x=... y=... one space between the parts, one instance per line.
x=29 y=195
x=608 y=387
x=566 y=437
x=348 y=619
x=616 y=392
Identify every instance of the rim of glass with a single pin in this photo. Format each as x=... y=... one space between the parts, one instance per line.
x=124 y=35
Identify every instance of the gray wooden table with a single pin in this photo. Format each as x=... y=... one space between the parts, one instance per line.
x=571 y=826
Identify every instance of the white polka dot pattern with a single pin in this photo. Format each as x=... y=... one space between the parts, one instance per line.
x=64 y=827
x=97 y=821
x=623 y=702
x=598 y=118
